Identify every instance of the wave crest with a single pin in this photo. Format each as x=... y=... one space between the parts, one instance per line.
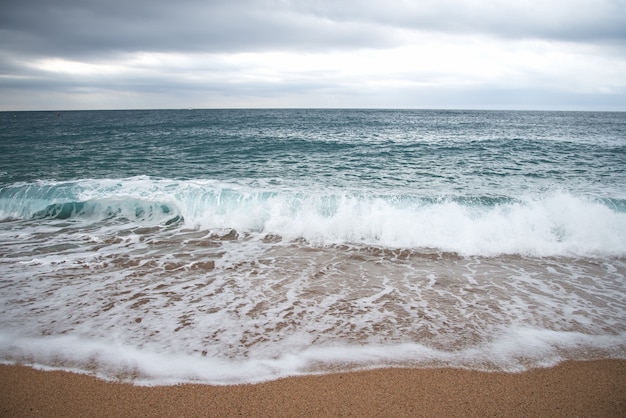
x=544 y=225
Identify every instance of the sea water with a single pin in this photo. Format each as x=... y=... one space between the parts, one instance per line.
x=231 y=246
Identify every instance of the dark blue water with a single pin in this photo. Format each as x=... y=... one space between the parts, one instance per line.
x=425 y=152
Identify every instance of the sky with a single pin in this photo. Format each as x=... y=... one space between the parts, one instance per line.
x=457 y=54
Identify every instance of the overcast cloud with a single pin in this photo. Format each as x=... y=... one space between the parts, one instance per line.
x=526 y=54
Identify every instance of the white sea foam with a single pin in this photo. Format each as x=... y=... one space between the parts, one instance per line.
x=542 y=225
x=154 y=310
x=515 y=351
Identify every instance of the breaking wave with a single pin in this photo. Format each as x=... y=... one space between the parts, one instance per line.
x=544 y=225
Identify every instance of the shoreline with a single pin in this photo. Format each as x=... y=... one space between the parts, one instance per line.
x=572 y=388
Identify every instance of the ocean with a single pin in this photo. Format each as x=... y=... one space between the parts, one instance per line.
x=240 y=246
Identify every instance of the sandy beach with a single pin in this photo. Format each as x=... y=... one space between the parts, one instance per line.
x=591 y=389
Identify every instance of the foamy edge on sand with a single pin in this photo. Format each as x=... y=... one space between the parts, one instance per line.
x=521 y=349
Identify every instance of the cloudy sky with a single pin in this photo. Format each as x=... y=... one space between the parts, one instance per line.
x=503 y=54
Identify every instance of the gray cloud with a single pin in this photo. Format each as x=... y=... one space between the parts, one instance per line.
x=562 y=20
x=88 y=27
x=111 y=33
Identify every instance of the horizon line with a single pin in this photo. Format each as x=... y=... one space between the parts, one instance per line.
x=483 y=109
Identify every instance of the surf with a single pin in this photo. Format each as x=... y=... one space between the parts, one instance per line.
x=546 y=224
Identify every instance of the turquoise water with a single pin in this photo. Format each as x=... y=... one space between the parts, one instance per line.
x=245 y=245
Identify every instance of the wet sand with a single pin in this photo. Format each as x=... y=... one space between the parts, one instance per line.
x=590 y=389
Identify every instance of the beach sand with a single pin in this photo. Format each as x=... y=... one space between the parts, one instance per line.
x=592 y=388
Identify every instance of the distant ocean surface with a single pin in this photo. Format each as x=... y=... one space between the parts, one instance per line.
x=232 y=246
